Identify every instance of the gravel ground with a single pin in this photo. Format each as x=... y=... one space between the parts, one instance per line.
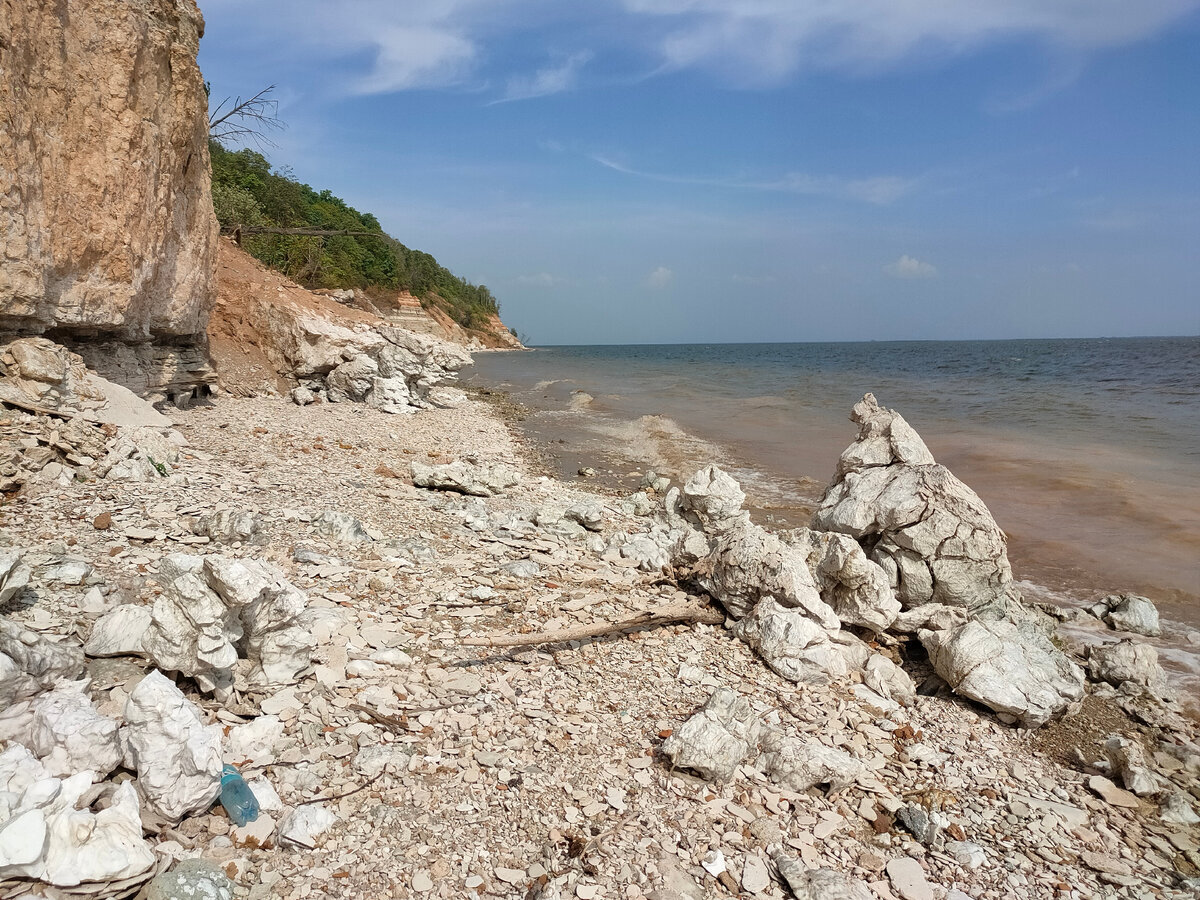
x=537 y=773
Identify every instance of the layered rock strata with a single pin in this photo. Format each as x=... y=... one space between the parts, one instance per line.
x=108 y=219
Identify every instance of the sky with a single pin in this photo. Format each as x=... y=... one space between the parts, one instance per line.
x=661 y=171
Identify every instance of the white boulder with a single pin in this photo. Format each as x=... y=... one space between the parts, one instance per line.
x=69 y=735
x=855 y=587
x=212 y=612
x=1127 y=761
x=341 y=526
x=1131 y=612
x=464 y=478
x=888 y=680
x=30 y=663
x=749 y=563
x=1128 y=660
x=819 y=884
x=931 y=534
x=44 y=837
x=717 y=738
x=14 y=574
x=799 y=763
x=176 y=756
x=1013 y=669
x=792 y=644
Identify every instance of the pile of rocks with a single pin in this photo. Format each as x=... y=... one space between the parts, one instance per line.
x=389 y=368
x=63 y=422
x=561 y=771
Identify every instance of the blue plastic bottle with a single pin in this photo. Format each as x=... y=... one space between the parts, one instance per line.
x=237 y=798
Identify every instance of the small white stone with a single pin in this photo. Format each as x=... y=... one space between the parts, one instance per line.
x=908 y=878
x=714 y=863
x=510 y=876
x=755 y=877
x=254 y=834
x=422 y=883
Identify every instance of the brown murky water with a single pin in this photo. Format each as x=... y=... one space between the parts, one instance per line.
x=1087 y=452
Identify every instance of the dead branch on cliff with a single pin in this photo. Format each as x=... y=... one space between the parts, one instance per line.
x=252 y=118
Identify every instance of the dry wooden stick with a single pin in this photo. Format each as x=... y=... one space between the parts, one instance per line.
x=361 y=787
x=671 y=614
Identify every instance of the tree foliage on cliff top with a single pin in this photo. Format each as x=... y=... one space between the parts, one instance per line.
x=246 y=191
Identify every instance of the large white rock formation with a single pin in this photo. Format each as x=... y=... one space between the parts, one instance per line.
x=931 y=534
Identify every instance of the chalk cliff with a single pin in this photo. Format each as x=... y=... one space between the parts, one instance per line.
x=105 y=210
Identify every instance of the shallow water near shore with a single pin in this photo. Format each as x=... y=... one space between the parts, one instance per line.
x=1087 y=451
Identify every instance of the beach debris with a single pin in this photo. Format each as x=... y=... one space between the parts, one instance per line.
x=44 y=836
x=931 y=534
x=1013 y=669
x=686 y=613
x=237 y=798
x=464 y=478
x=176 y=756
x=1129 y=612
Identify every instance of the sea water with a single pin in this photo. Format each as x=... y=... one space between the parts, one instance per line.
x=1086 y=451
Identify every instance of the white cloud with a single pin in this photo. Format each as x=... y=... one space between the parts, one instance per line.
x=539 y=280
x=764 y=41
x=879 y=190
x=910 y=267
x=439 y=43
x=753 y=280
x=544 y=82
x=417 y=57
x=660 y=277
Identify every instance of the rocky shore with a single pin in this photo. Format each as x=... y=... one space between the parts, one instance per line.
x=445 y=675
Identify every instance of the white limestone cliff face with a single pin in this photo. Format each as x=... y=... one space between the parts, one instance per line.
x=107 y=220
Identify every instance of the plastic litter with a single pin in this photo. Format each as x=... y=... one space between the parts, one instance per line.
x=237 y=798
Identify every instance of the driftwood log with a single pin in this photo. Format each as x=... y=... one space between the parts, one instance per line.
x=671 y=614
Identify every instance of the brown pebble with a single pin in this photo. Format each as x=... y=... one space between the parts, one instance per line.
x=102 y=522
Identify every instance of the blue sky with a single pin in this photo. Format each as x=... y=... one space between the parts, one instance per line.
x=746 y=170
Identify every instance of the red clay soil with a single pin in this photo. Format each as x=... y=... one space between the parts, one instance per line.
x=246 y=289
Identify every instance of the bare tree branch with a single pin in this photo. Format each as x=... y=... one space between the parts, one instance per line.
x=246 y=119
